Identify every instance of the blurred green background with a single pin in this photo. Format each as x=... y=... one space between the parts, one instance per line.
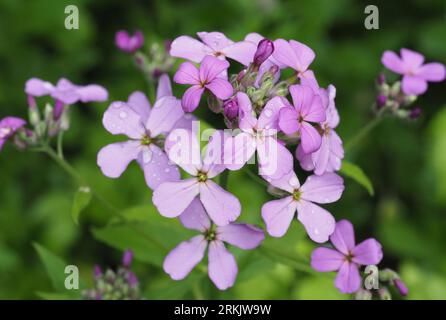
x=406 y=161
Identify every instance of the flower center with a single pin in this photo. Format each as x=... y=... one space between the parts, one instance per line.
x=202 y=176
x=349 y=257
x=4 y=132
x=297 y=194
x=218 y=54
x=210 y=235
x=146 y=140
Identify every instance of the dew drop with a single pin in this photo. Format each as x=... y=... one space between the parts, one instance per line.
x=123 y=114
x=268 y=113
x=147 y=156
x=316 y=231
x=166 y=170
x=293 y=181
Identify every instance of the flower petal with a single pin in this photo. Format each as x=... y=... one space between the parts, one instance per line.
x=432 y=72
x=172 y=198
x=242 y=52
x=348 y=279
x=343 y=238
x=119 y=118
x=414 y=85
x=284 y=53
x=318 y=222
x=188 y=48
x=211 y=67
x=309 y=138
x=325 y=259
x=288 y=120
x=367 y=252
x=140 y=104
x=269 y=118
x=92 y=92
x=238 y=150
x=221 y=206
x=305 y=159
x=191 y=98
x=214 y=40
x=326 y=188
x=277 y=215
x=187 y=73
x=322 y=156
x=114 y=158
x=184 y=257
x=37 y=87
x=164 y=87
x=242 y=235
x=288 y=182
x=183 y=148
x=247 y=120
x=195 y=216
x=222 y=266
x=305 y=55
x=411 y=59
x=275 y=160
x=221 y=88
x=165 y=113
x=393 y=62
x=214 y=153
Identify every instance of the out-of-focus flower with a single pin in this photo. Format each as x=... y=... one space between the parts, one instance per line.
x=318 y=222
x=172 y=198
x=206 y=77
x=307 y=107
x=415 y=113
x=145 y=126
x=347 y=257
x=415 y=73
x=8 y=128
x=128 y=43
x=212 y=43
x=222 y=267
x=401 y=287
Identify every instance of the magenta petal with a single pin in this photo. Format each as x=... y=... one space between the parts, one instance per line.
x=322 y=156
x=305 y=55
x=172 y=198
x=114 y=158
x=414 y=85
x=277 y=215
x=221 y=206
x=195 y=216
x=343 y=238
x=187 y=73
x=165 y=113
x=367 y=252
x=242 y=52
x=92 y=92
x=222 y=266
x=325 y=259
x=284 y=53
x=310 y=138
x=156 y=166
x=119 y=118
x=412 y=60
x=288 y=121
x=215 y=40
x=392 y=61
x=188 y=48
x=211 y=67
x=140 y=104
x=221 y=88
x=37 y=87
x=244 y=236
x=275 y=160
x=164 y=87
x=184 y=257
x=318 y=222
x=348 y=279
x=183 y=148
x=315 y=112
x=326 y=188
x=432 y=72
x=191 y=98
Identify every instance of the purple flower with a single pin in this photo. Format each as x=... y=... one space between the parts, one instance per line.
x=294 y=55
x=401 y=287
x=144 y=126
x=415 y=73
x=230 y=109
x=347 y=257
x=222 y=267
x=8 y=127
x=213 y=43
x=328 y=158
x=308 y=107
x=206 y=77
x=127 y=258
x=172 y=198
x=318 y=222
x=128 y=43
x=259 y=135
x=265 y=49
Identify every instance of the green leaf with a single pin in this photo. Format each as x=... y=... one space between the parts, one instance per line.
x=356 y=173
x=82 y=198
x=318 y=287
x=54 y=296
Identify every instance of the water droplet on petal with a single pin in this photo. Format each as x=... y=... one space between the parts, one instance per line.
x=293 y=181
x=166 y=170
x=146 y=156
x=316 y=231
x=123 y=114
x=268 y=113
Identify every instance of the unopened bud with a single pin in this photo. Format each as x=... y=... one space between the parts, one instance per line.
x=127 y=258
x=230 y=109
x=58 y=110
x=381 y=101
x=415 y=113
x=381 y=79
x=401 y=287
x=265 y=49
x=97 y=272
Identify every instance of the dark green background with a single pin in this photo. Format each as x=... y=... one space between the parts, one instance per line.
x=406 y=161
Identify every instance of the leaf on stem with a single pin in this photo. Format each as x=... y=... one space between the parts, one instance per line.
x=356 y=173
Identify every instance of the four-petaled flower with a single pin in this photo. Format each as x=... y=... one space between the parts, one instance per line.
x=208 y=76
x=128 y=43
x=347 y=257
x=318 y=222
x=8 y=127
x=415 y=73
x=145 y=126
x=222 y=267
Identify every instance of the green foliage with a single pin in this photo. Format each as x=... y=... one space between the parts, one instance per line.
x=82 y=198
x=356 y=173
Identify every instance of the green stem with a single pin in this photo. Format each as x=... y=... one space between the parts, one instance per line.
x=197 y=292
x=60 y=144
x=363 y=132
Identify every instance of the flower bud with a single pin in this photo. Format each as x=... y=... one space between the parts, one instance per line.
x=381 y=79
x=58 y=110
x=127 y=258
x=97 y=272
x=401 y=287
x=381 y=101
x=265 y=49
x=415 y=113
x=230 y=109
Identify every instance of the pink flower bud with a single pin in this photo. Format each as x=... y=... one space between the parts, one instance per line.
x=401 y=287
x=415 y=113
x=264 y=50
x=230 y=109
x=127 y=258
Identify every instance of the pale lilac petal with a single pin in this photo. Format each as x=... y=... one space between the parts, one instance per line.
x=183 y=148
x=211 y=67
x=305 y=55
x=305 y=159
x=247 y=120
x=188 y=48
x=302 y=97
x=165 y=113
x=119 y=118
x=308 y=78
x=288 y=182
x=332 y=113
x=221 y=206
x=326 y=188
x=195 y=216
x=140 y=104
x=114 y=158
x=92 y=92
x=411 y=59
x=367 y=252
x=318 y=222
x=254 y=37
x=343 y=238
x=215 y=40
x=214 y=153
x=164 y=87
x=156 y=166
x=191 y=98
x=315 y=111
x=222 y=267
x=221 y=88
x=238 y=150
x=277 y=215
x=242 y=52
x=348 y=279
x=414 y=85
x=325 y=259
x=37 y=87
x=269 y=118
x=185 y=122
x=309 y=138
x=184 y=257
x=172 y=198
x=288 y=120
x=242 y=235
x=187 y=73
x=322 y=156
x=432 y=72
x=393 y=62
x=275 y=160
x=284 y=53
